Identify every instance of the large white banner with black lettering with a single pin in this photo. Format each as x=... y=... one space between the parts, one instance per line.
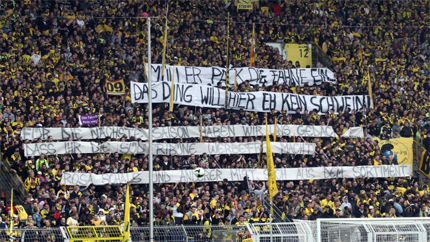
x=180 y=149
x=176 y=132
x=212 y=75
x=216 y=175
x=208 y=96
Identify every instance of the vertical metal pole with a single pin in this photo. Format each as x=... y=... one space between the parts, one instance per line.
x=319 y=230
x=271 y=230
x=151 y=184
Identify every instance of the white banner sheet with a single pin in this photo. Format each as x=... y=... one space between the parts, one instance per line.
x=212 y=97
x=179 y=149
x=213 y=75
x=176 y=132
x=216 y=175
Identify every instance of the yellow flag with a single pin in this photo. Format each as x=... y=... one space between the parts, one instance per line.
x=275 y=129
x=172 y=90
x=369 y=86
x=163 y=62
x=260 y=154
x=252 y=55
x=127 y=215
x=273 y=188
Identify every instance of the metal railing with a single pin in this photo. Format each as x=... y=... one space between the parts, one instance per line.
x=9 y=180
x=176 y=233
x=277 y=213
x=318 y=56
x=322 y=230
x=36 y=235
x=421 y=160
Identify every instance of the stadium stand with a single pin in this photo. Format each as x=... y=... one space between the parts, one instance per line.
x=56 y=56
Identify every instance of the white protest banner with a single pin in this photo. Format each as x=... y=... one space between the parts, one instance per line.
x=233 y=175
x=179 y=149
x=207 y=96
x=354 y=132
x=176 y=132
x=212 y=75
x=52 y=148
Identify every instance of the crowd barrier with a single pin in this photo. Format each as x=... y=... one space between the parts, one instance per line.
x=321 y=230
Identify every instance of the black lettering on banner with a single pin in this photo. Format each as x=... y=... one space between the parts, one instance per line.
x=262 y=77
x=240 y=79
x=212 y=175
x=285 y=102
x=95 y=148
x=228 y=149
x=126 y=148
x=206 y=95
x=182 y=93
x=135 y=178
x=156 y=72
x=187 y=176
x=138 y=92
x=305 y=173
x=333 y=172
x=295 y=76
x=161 y=150
x=348 y=103
x=284 y=130
x=36 y=133
x=70 y=178
x=283 y=80
x=275 y=75
x=72 y=147
x=161 y=177
x=233 y=100
x=313 y=131
x=302 y=77
x=189 y=74
x=316 y=78
x=242 y=97
x=316 y=105
x=211 y=96
x=358 y=103
x=166 y=90
x=218 y=75
x=239 y=174
x=356 y=171
x=178 y=132
x=269 y=101
x=302 y=102
x=40 y=148
x=322 y=72
x=67 y=133
x=282 y=174
x=250 y=101
x=253 y=74
x=144 y=91
x=94 y=133
x=157 y=133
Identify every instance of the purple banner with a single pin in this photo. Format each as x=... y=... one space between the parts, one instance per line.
x=90 y=120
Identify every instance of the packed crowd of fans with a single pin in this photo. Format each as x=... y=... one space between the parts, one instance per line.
x=55 y=58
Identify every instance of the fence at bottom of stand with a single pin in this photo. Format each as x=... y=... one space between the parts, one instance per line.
x=322 y=230
x=179 y=233
x=174 y=233
x=33 y=235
